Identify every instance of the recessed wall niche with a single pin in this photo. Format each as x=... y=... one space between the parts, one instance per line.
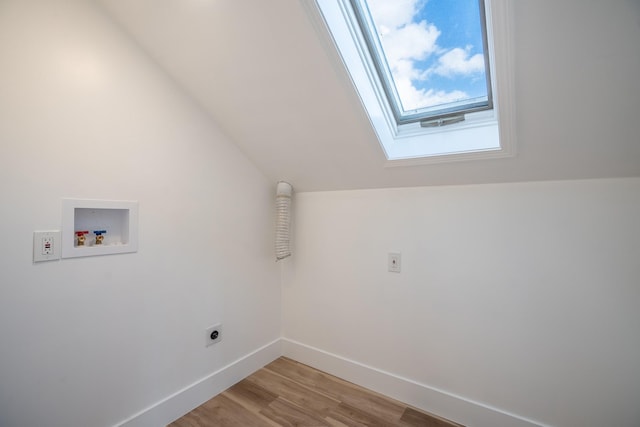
x=98 y=227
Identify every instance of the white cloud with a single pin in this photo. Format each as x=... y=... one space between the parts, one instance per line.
x=405 y=74
x=406 y=42
x=457 y=61
x=413 y=98
x=393 y=14
x=412 y=41
x=401 y=36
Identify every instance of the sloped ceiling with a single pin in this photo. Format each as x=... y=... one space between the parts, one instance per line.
x=266 y=72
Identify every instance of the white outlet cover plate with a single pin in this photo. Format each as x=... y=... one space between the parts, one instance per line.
x=394 y=262
x=53 y=250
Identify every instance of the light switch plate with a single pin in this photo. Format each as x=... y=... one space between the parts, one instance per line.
x=46 y=245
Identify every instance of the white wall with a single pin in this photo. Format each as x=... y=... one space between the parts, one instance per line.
x=92 y=341
x=523 y=297
x=519 y=296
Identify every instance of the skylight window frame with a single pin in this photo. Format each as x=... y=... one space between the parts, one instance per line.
x=482 y=135
x=367 y=27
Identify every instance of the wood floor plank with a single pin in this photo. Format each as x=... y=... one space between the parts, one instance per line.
x=335 y=423
x=286 y=393
x=414 y=418
x=327 y=384
x=294 y=392
x=250 y=395
x=355 y=417
x=305 y=375
x=382 y=408
x=287 y=414
x=221 y=411
x=344 y=391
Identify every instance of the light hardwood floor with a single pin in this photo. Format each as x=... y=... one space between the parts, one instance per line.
x=288 y=393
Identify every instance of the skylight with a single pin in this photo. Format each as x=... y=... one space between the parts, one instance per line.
x=433 y=75
x=430 y=55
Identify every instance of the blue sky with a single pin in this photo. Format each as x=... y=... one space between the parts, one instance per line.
x=433 y=48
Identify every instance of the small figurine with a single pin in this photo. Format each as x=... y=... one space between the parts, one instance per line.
x=81 y=237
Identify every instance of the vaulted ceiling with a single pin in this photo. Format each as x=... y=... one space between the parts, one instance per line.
x=268 y=75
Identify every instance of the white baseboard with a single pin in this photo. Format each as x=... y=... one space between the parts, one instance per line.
x=427 y=398
x=173 y=407
x=421 y=396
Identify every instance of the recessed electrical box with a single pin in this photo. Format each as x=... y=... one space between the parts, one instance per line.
x=98 y=227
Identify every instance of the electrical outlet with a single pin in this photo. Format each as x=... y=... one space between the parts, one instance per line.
x=394 y=262
x=46 y=245
x=213 y=334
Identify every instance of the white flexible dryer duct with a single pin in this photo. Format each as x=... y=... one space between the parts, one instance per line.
x=283 y=219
